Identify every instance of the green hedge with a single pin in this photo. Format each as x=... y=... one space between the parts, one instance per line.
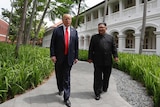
x=34 y=64
x=17 y=75
x=83 y=55
x=143 y=68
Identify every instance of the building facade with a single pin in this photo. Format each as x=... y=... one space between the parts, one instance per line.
x=47 y=37
x=48 y=34
x=124 y=22
x=3 y=30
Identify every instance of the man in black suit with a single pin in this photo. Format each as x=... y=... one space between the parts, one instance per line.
x=64 y=53
x=101 y=50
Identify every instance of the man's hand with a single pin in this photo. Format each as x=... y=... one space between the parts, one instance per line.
x=116 y=59
x=54 y=59
x=90 y=61
x=75 y=61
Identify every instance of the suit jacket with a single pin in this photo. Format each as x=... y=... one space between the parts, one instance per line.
x=57 y=45
x=101 y=49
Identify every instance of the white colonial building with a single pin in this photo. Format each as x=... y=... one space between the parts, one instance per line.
x=48 y=35
x=124 y=22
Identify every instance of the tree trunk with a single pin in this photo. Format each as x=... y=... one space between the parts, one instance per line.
x=41 y=21
x=21 y=29
x=105 y=10
x=30 y=23
x=10 y=21
x=143 y=27
x=79 y=7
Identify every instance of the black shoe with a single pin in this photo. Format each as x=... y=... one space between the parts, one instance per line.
x=105 y=90
x=60 y=93
x=67 y=103
x=97 y=97
x=101 y=92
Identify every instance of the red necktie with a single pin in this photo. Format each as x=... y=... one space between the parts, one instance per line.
x=66 y=42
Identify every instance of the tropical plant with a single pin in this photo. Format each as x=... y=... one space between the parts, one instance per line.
x=26 y=72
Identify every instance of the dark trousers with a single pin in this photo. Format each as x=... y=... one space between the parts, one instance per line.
x=63 y=77
x=101 y=78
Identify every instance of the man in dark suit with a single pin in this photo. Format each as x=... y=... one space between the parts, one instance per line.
x=101 y=50
x=64 y=53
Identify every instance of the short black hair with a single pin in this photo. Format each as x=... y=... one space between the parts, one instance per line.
x=102 y=23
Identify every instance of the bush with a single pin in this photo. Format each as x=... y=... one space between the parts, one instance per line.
x=27 y=71
x=144 y=68
x=83 y=55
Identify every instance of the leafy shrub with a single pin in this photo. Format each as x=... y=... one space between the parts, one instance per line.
x=83 y=55
x=27 y=71
x=144 y=68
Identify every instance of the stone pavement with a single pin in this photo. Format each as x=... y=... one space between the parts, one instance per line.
x=82 y=94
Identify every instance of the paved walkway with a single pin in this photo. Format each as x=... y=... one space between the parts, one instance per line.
x=81 y=92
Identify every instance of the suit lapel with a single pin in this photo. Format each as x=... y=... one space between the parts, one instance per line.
x=62 y=33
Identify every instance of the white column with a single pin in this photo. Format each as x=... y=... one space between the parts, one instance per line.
x=80 y=42
x=99 y=15
x=85 y=19
x=157 y=42
x=85 y=43
x=120 y=7
x=109 y=11
x=121 y=42
x=92 y=21
x=158 y=2
x=137 y=42
x=91 y=16
x=137 y=6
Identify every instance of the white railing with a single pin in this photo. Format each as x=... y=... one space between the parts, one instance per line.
x=129 y=12
x=144 y=51
x=149 y=51
x=150 y=5
x=129 y=50
x=114 y=16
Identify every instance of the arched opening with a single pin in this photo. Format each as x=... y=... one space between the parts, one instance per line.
x=149 y=38
x=115 y=35
x=130 y=39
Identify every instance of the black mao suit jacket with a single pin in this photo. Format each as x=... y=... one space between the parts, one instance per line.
x=57 y=45
x=101 y=49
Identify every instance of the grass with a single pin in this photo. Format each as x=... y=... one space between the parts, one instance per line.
x=28 y=71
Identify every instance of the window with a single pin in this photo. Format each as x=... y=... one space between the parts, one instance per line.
x=88 y=17
x=130 y=3
x=150 y=38
x=82 y=19
x=130 y=40
x=145 y=46
x=102 y=12
x=143 y=1
x=147 y=36
x=95 y=14
x=115 y=38
x=115 y=7
x=107 y=11
x=129 y=43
